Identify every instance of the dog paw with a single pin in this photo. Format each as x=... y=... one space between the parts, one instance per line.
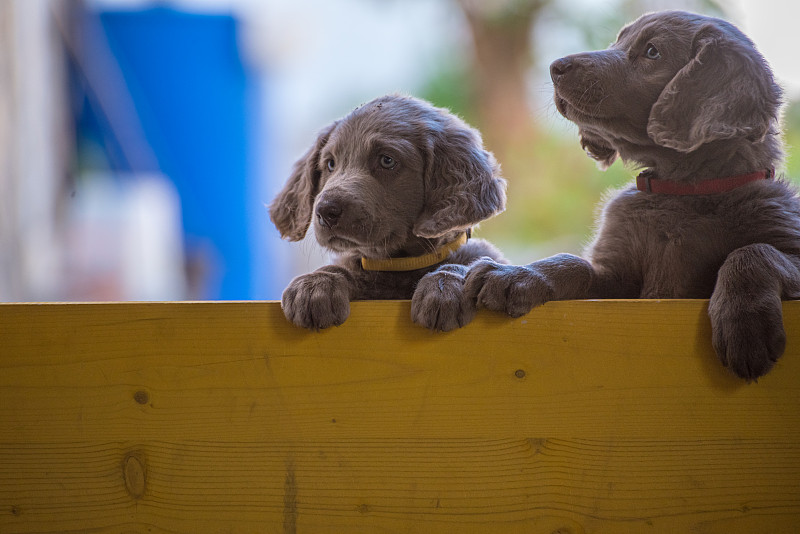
x=512 y=289
x=439 y=302
x=748 y=337
x=316 y=300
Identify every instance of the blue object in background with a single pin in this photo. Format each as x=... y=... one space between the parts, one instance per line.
x=200 y=111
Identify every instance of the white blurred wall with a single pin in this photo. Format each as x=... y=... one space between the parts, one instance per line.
x=32 y=150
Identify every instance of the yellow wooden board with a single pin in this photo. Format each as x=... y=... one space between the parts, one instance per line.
x=581 y=417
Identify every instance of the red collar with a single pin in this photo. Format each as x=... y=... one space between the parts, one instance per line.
x=647 y=183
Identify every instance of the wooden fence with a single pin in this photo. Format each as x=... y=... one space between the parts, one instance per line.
x=581 y=417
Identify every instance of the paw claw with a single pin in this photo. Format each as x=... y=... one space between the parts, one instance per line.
x=316 y=301
x=512 y=289
x=748 y=338
x=440 y=303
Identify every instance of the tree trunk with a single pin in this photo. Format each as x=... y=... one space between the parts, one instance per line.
x=501 y=32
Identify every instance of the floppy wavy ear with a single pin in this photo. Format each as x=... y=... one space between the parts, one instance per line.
x=291 y=209
x=463 y=185
x=598 y=149
x=726 y=91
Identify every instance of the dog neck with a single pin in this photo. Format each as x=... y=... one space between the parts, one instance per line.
x=411 y=263
x=647 y=182
x=727 y=157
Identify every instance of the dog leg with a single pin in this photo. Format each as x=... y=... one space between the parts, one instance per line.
x=516 y=289
x=745 y=308
x=439 y=302
x=319 y=299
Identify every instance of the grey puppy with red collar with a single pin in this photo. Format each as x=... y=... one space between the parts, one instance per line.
x=690 y=99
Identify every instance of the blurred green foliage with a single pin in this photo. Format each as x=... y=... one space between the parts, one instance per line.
x=553 y=192
x=791 y=130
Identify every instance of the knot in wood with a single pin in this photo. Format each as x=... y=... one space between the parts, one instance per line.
x=133 y=472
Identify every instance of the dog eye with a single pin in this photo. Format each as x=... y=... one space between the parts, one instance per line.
x=388 y=162
x=652 y=52
x=331 y=165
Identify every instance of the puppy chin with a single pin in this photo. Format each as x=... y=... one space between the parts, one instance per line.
x=342 y=245
x=587 y=115
x=337 y=243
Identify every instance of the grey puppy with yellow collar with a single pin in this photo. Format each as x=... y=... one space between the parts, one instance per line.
x=393 y=190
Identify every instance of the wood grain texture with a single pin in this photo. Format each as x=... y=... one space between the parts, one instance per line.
x=581 y=417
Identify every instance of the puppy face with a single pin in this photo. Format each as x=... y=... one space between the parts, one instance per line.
x=672 y=79
x=371 y=184
x=617 y=87
x=393 y=170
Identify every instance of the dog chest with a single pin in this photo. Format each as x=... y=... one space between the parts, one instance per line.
x=672 y=247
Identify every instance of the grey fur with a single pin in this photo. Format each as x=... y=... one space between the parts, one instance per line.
x=706 y=107
x=442 y=183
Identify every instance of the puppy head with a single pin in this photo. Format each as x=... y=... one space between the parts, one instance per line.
x=726 y=90
x=672 y=79
x=393 y=169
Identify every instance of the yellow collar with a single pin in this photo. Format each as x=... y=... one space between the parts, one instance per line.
x=416 y=262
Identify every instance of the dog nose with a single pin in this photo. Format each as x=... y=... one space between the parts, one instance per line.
x=328 y=213
x=560 y=67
